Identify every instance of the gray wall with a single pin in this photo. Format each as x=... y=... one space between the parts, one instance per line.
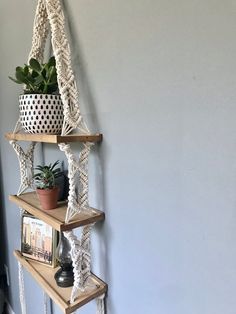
x=158 y=79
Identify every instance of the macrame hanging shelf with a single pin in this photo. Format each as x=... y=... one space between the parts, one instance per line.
x=77 y=213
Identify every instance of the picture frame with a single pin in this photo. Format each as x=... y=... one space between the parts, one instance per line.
x=38 y=240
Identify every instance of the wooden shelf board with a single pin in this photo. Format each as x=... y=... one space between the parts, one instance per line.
x=56 y=217
x=50 y=138
x=44 y=275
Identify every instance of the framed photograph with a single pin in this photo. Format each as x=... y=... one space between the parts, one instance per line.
x=38 y=240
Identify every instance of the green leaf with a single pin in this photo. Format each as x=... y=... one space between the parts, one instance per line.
x=30 y=79
x=44 y=73
x=34 y=74
x=38 y=80
x=54 y=165
x=21 y=77
x=14 y=80
x=35 y=65
x=52 y=62
x=39 y=168
x=19 y=69
x=26 y=70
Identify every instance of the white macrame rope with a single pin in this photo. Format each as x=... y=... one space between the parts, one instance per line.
x=21 y=288
x=81 y=259
x=101 y=304
x=76 y=255
x=40 y=32
x=78 y=201
x=17 y=127
x=83 y=175
x=45 y=303
x=65 y=76
x=26 y=165
x=26 y=170
x=86 y=252
x=77 y=169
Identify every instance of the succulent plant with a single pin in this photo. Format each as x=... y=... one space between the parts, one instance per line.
x=45 y=178
x=37 y=78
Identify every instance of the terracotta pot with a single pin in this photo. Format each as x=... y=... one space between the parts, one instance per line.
x=48 y=198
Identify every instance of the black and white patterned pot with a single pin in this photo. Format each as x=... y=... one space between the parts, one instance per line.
x=41 y=113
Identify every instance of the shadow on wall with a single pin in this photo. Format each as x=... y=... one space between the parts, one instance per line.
x=103 y=230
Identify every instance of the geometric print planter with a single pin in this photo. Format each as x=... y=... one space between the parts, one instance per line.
x=41 y=113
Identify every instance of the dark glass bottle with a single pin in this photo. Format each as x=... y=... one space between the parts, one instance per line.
x=64 y=276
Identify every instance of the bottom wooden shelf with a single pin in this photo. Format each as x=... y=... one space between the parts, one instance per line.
x=44 y=275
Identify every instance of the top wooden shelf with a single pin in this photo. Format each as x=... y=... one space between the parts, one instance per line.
x=54 y=139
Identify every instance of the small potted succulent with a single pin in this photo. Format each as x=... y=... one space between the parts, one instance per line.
x=46 y=188
x=41 y=109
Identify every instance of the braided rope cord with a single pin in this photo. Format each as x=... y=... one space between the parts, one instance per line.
x=76 y=255
x=78 y=195
x=21 y=288
x=86 y=252
x=45 y=303
x=17 y=127
x=83 y=176
x=40 y=32
x=81 y=259
x=26 y=165
x=66 y=79
x=78 y=201
x=100 y=304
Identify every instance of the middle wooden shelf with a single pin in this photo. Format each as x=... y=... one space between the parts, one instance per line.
x=56 y=217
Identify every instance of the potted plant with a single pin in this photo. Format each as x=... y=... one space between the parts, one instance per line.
x=45 y=185
x=41 y=109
